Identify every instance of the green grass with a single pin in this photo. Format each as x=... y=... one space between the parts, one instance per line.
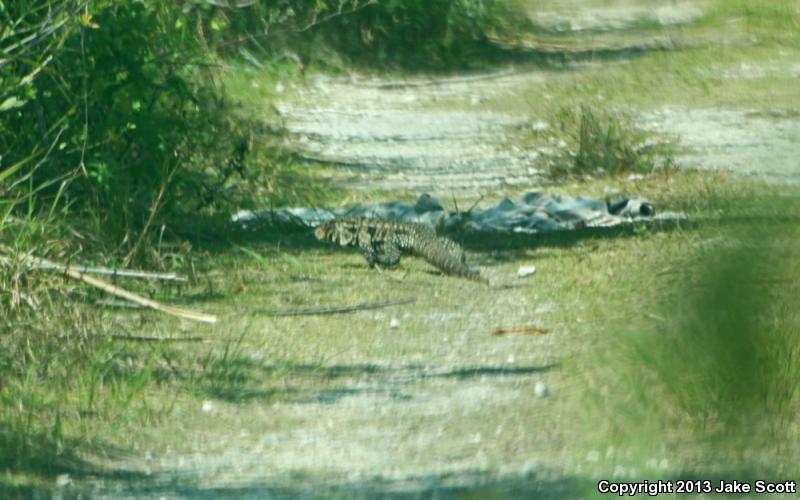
x=633 y=315
x=597 y=143
x=699 y=371
x=740 y=54
x=252 y=362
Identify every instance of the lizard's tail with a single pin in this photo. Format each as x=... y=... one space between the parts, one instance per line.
x=449 y=257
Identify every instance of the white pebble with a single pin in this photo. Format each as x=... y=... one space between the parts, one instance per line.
x=540 y=390
x=540 y=126
x=208 y=406
x=525 y=271
x=394 y=323
x=547 y=307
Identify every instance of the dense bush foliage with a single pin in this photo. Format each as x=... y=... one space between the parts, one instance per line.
x=113 y=120
x=110 y=99
x=435 y=33
x=113 y=104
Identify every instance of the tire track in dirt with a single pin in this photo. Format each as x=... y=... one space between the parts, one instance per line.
x=386 y=136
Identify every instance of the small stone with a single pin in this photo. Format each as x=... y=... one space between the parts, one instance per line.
x=635 y=177
x=540 y=390
x=279 y=88
x=63 y=480
x=540 y=126
x=394 y=323
x=547 y=307
x=207 y=406
x=525 y=271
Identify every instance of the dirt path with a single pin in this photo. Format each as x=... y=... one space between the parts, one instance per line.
x=758 y=143
x=384 y=136
x=419 y=399
x=387 y=137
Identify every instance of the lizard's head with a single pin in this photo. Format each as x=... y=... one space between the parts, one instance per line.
x=321 y=232
x=336 y=231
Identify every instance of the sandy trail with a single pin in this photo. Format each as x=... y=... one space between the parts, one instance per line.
x=450 y=415
x=385 y=135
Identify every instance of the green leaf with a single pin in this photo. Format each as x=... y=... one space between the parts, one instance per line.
x=11 y=103
x=13 y=168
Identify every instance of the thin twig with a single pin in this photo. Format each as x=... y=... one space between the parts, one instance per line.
x=110 y=272
x=522 y=330
x=395 y=84
x=141 y=338
x=341 y=12
x=340 y=309
x=313 y=22
x=117 y=303
x=469 y=211
x=153 y=210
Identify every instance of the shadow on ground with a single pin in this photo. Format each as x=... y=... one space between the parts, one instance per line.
x=40 y=459
x=240 y=380
x=217 y=235
x=469 y=484
x=527 y=483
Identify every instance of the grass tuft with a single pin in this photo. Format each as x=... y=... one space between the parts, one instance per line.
x=601 y=143
x=714 y=372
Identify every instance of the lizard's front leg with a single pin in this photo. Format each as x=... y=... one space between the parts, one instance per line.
x=369 y=253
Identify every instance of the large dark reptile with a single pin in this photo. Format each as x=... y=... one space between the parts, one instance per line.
x=383 y=242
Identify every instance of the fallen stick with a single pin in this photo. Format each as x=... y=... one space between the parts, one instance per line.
x=523 y=330
x=338 y=310
x=117 y=291
x=431 y=82
x=109 y=272
x=117 y=303
x=143 y=338
x=137 y=299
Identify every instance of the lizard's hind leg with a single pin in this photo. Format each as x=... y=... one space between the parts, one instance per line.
x=388 y=255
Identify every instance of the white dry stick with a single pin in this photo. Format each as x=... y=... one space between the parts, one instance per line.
x=38 y=262
x=137 y=299
x=125 y=273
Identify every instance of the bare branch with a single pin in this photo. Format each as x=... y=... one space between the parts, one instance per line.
x=338 y=310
